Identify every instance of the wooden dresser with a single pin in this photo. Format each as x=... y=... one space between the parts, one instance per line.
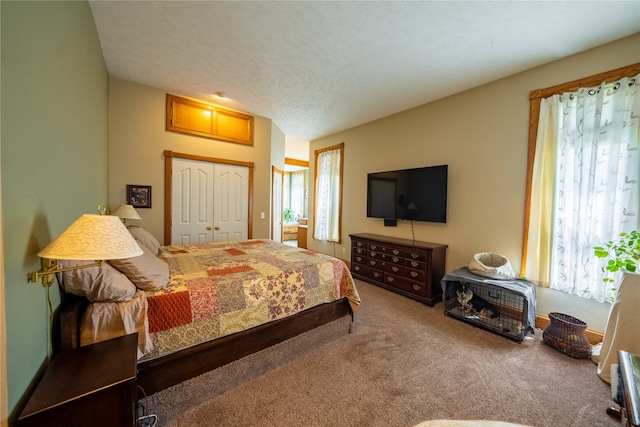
x=409 y=267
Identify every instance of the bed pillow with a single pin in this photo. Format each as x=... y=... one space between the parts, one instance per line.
x=103 y=283
x=145 y=238
x=146 y=271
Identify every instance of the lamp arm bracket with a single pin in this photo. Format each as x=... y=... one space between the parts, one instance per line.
x=50 y=267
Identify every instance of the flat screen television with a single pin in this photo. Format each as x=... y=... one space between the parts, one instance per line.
x=418 y=194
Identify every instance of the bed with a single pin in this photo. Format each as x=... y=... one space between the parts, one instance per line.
x=198 y=307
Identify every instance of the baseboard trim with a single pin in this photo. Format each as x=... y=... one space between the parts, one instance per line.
x=594 y=337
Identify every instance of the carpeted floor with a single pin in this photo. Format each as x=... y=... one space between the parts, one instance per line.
x=404 y=363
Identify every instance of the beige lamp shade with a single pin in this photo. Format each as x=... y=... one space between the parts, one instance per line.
x=93 y=237
x=125 y=212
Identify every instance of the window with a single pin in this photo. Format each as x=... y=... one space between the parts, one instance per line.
x=583 y=178
x=294 y=193
x=328 y=193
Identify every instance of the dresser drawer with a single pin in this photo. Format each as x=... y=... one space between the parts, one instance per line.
x=399 y=282
x=359 y=250
x=359 y=244
x=415 y=255
x=417 y=265
x=385 y=266
x=376 y=263
x=412 y=273
x=379 y=255
x=358 y=259
x=395 y=259
x=393 y=251
x=371 y=273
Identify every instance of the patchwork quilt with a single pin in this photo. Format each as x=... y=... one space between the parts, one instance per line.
x=218 y=289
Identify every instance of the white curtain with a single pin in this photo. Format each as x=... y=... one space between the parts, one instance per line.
x=585 y=190
x=327 y=209
x=286 y=190
x=538 y=262
x=297 y=193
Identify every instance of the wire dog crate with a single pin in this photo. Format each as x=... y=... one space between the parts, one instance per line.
x=505 y=307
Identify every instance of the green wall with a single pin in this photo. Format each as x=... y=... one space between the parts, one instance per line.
x=54 y=110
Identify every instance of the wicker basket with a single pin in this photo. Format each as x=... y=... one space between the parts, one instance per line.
x=566 y=334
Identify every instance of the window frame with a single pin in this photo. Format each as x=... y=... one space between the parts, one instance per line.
x=341 y=188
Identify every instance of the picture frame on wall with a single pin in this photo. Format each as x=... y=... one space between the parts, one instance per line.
x=139 y=196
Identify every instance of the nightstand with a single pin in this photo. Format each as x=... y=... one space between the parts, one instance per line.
x=91 y=385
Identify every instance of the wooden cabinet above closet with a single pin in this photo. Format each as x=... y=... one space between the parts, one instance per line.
x=201 y=119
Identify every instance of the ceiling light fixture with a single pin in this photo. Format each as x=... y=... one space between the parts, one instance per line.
x=221 y=94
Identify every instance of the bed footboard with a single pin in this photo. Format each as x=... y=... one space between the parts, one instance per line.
x=157 y=374
x=162 y=372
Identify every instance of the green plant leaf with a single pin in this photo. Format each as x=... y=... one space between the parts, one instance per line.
x=623 y=253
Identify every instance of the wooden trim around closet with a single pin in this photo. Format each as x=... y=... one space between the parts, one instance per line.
x=535 y=97
x=168 y=172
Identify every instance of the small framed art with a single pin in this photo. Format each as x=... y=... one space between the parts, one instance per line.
x=139 y=196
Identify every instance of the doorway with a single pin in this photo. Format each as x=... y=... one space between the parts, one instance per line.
x=276 y=203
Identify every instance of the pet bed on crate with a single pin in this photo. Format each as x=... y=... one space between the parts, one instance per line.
x=506 y=307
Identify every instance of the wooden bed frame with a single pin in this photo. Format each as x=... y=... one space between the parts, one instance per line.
x=162 y=372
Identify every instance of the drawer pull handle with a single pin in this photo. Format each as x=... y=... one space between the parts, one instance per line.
x=359 y=258
x=374 y=247
x=414 y=264
x=395 y=269
x=376 y=274
x=359 y=244
x=356 y=268
x=414 y=274
x=395 y=259
x=372 y=262
x=396 y=252
x=415 y=256
x=389 y=279
x=372 y=253
x=416 y=287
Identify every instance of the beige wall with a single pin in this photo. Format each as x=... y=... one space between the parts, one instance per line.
x=137 y=139
x=482 y=135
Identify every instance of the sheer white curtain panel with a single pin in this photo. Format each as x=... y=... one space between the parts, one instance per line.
x=327 y=209
x=585 y=189
x=297 y=193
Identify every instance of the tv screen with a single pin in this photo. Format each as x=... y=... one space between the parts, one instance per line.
x=418 y=194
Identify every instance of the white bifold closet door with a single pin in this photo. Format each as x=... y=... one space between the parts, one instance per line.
x=210 y=202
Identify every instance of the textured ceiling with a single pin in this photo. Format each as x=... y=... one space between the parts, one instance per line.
x=316 y=68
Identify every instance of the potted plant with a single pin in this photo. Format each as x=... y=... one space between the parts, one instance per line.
x=621 y=332
x=289 y=216
x=623 y=254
